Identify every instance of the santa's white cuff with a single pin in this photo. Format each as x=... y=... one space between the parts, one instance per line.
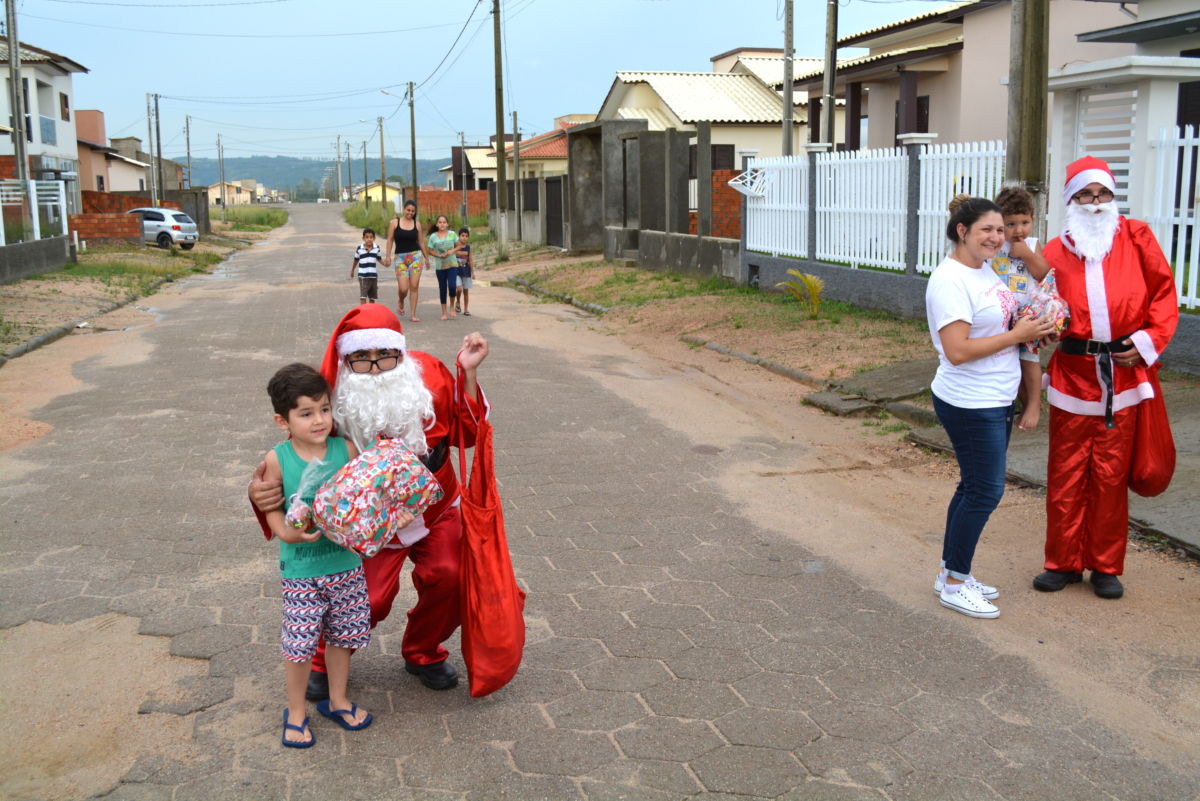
x=1145 y=346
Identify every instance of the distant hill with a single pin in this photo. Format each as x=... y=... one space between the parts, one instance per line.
x=287 y=172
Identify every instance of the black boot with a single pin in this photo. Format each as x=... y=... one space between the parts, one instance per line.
x=318 y=686
x=437 y=676
x=1055 y=580
x=1106 y=585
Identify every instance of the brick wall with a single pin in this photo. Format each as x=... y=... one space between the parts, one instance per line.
x=106 y=227
x=433 y=202
x=113 y=203
x=726 y=208
x=8 y=167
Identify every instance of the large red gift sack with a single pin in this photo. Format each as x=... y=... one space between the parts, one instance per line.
x=493 y=621
x=1153 y=462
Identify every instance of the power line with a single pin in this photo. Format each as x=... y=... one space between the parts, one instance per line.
x=174 y=7
x=162 y=32
x=474 y=8
x=308 y=96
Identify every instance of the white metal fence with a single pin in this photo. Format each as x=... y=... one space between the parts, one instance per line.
x=972 y=168
x=1175 y=214
x=777 y=213
x=32 y=210
x=861 y=207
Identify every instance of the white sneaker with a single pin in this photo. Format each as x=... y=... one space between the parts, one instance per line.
x=968 y=601
x=986 y=590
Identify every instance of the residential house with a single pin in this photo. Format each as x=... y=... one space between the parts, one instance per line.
x=235 y=194
x=473 y=166
x=103 y=168
x=768 y=65
x=50 y=136
x=131 y=148
x=372 y=192
x=1117 y=107
x=945 y=71
x=745 y=113
x=544 y=154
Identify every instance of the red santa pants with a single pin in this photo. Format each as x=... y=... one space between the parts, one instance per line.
x=435 y=561
x=1087 y=496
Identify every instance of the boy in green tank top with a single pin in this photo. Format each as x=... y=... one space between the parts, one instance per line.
x=324 y=591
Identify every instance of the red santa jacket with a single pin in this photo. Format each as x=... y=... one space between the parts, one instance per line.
x=449 y=418
x=1130 y=293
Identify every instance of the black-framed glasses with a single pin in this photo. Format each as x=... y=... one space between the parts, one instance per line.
x=363 y=365
x=1085 y=197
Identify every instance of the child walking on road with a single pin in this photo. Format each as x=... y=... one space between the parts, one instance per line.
x=466 y=272
x=324 y=591
x=442 y=246
x=366 y=264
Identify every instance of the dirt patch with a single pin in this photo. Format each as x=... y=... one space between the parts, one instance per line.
x=85 y=743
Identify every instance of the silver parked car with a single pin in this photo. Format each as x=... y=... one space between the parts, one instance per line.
x=168 y=226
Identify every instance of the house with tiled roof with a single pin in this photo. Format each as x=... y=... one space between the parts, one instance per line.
x=545 y=154
x=944 y=71
x=744 y=112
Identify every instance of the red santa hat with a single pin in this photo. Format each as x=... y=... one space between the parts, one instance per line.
x=371 y=325
x=1084 y=171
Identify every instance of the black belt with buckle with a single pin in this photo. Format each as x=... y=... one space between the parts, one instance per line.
x=1103 y=351
x=436 y=456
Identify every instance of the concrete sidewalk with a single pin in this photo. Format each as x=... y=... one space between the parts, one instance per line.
x=1173 y=514
x=675 y=649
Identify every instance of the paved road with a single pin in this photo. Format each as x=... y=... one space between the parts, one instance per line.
x=676 y=650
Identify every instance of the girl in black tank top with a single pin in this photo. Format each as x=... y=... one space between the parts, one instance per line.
x=406 y=241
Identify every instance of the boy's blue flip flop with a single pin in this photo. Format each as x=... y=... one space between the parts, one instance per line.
x=339 y=716
x=312 y=738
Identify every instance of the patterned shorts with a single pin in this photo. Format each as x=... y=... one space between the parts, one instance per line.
x=334 y=606
x=409 y=264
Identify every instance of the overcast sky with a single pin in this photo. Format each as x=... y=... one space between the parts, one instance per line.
x=286 y=77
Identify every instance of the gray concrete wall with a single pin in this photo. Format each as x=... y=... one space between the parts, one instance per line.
x=1183 y=353
x=595 y=181
x=652 y=168
x=23 y=259
x=706 y=256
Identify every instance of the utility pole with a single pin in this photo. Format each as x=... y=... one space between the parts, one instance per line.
x=16 y=93
x=382 y=170
x=412 y=126
x=501 y=183
x=349 y=176
x=827 y=113
x=519 y=207
x=150 y=151
x=187 y=138
x=1025 y=160
x=162 y=185
x=788 y=104
x=337 y=157
x=462 y=173
x=221 y=178
x=366 y=197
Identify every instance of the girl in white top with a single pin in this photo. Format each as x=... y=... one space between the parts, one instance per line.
x=971 y=321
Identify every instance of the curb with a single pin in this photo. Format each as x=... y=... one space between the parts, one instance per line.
x=58 y=333
x=532 y=288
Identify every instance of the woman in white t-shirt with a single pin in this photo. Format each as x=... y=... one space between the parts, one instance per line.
x=971 y=320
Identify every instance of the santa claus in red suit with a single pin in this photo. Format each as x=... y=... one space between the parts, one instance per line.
x=381 y=388
x=1124 y=309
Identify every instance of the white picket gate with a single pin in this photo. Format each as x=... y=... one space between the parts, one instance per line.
x=861 y=207
x=777 y=219
x=1175 y=215
x=953 y=168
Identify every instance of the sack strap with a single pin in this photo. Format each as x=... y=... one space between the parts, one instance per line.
x=460 y=402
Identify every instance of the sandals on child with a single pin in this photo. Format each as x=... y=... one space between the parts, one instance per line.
x=344 y=717
x=309 y=743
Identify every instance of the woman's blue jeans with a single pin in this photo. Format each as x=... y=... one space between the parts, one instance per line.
x=980 y=439
x=447 y=283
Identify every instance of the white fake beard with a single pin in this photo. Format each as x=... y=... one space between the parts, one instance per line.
x=394 y=404
x=1091 y=228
